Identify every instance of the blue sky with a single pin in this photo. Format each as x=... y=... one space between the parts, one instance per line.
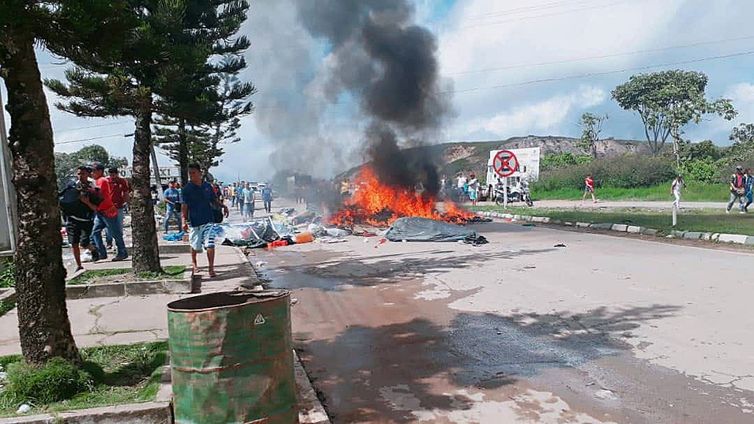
x=476 y=38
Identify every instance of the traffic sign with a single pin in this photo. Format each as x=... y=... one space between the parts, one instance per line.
x=505 y=163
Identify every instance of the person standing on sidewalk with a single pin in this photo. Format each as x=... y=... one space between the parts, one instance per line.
x=589 y=188
x=473 y=188
x=675 y=190
x=199 y=200
x=267 y=199
x=121 y=196
x=78 y=203
x=737 y=190
x=173 y=206
x=106 y=217
x=248 y=202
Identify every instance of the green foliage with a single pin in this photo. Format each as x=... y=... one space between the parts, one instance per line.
x=667 y=101
x=743 y=141
x=627 y=171
x=703 y=150
x=555 y=161
x=54 y=381
x=7 y=277
x=66 y=163
x=694 y=192
x=591 y=127
x=702 y=170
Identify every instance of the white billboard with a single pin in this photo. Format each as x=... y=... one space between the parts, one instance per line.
x=7 y=195
x=528 y=165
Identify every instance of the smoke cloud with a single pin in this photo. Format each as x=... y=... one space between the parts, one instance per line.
x=388 y=63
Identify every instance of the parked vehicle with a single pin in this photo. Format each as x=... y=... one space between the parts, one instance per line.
x=516 y=193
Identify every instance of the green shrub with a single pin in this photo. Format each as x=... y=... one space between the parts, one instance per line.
x=561 y=160
x=7 y=279
x=54 y=381
x=627 y=171
x=702 y=170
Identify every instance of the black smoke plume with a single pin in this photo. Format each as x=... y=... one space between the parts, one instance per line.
x=388 y=62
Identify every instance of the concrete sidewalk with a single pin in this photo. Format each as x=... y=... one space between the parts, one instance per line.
x=133 y=319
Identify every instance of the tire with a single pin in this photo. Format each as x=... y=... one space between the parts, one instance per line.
x=499 y=201
x=529 y=202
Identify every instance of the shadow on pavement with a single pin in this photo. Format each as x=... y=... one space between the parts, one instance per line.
x=387 y=373
x=333 y=274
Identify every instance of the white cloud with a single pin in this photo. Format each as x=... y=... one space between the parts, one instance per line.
x=742 y=96
x=544 y=115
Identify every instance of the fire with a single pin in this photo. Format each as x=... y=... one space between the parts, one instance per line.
x=378 y=204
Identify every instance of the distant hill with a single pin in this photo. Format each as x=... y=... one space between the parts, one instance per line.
x=473 y=156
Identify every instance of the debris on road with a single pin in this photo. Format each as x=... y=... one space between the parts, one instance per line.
x=560 y=245
x=425 y=229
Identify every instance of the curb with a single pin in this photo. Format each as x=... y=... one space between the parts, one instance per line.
x=623 y=228
x=184 y=285
x=311 y=410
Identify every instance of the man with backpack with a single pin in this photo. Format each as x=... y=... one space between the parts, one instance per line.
x=737 y=190
x=78 y=201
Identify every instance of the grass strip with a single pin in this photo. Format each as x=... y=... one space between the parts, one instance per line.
x=168 y=272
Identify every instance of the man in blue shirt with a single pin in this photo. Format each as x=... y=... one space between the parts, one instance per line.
x=199 y=203
x=267 y=198
x=173 y=209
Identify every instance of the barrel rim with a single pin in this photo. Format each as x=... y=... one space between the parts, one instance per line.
x=258 y=296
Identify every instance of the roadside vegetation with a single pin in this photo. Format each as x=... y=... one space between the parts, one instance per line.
x=110 y=375
x=702 y=220
x=106 y=275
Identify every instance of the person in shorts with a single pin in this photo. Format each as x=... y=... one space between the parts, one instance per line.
x=589 y=188
x=77 y=204
x=199 y=203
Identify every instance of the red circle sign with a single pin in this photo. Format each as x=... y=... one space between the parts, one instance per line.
x=505 y=163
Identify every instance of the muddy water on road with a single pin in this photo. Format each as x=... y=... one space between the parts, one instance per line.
x=378 y=349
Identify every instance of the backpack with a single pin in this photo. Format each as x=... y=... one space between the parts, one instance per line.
x=70 y=201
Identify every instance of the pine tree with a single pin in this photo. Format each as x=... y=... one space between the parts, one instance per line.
x=67 y=28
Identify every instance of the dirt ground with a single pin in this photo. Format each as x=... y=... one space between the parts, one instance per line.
x=604 y=329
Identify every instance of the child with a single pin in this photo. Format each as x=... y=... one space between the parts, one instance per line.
x=589 y=188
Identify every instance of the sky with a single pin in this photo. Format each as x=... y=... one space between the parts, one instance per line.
x=513 y=68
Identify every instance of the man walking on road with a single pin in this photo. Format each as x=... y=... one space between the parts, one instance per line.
x=267 y=199
x=248 y=202
x=173 y=206
x=106 y=217
x=199 y=200
x=737 y=190
x=121 y=196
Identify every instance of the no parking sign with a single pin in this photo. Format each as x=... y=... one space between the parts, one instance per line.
x=505 y=163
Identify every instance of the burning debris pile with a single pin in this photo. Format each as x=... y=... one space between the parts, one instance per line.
x=378 y=204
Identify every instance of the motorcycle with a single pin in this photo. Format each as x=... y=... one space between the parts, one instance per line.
x=519 y=193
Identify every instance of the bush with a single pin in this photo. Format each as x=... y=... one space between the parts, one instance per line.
x=562 y=160
x=54 y=381
x=627 y=171
x=7 y=277
x=702 y=170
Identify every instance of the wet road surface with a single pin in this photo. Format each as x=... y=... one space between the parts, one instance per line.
x=603 y=330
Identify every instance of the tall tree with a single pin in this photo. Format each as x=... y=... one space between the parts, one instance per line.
x=63 y=27
x=591 y=127
x=666 y=102
x=742 y=137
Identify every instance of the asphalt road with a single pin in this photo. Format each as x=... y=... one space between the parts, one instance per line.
x=605 y=329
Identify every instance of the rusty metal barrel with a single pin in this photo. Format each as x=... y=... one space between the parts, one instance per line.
x=231 y=358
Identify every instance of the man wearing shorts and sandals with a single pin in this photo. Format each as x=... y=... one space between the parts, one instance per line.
x=199 y=200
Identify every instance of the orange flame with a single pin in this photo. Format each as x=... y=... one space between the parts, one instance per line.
x=378 y=204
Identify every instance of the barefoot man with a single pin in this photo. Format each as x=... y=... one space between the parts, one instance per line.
x=199 y=200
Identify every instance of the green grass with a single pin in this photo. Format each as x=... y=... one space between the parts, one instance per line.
x=169 y=272
x=7 y=279
x=694 y=192
x=6 y=306
x=703 y=220
x=121 y=374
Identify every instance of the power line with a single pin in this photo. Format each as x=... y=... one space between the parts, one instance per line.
x=524 y=9
x=88 y=139
x=606 y=56
x=593 y=74
x=93 y=126
x=526 y=18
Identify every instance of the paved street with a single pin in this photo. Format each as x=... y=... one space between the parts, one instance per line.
x=522 y=331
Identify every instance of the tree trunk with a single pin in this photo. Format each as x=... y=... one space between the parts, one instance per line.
x=183 y=152
x=43 y=324
x=146 y=254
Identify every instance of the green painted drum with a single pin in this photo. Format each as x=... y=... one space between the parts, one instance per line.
x=232 y=359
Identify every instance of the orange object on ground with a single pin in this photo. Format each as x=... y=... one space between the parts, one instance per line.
x=304 y=238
